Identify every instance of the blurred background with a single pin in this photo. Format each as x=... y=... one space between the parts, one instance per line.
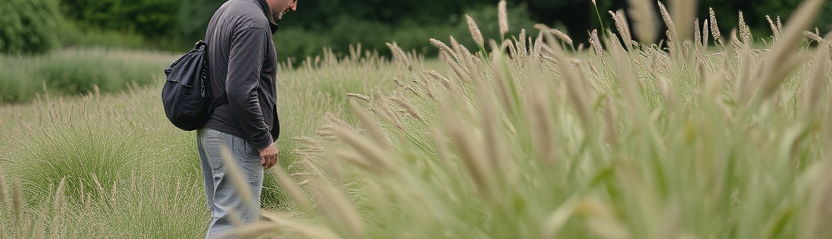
x=37 y=26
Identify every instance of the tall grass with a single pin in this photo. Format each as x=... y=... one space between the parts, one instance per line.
x=77 y=71
x=637 y=142
x=128 y=173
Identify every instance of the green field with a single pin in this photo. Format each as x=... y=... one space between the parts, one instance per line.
x=707 y=136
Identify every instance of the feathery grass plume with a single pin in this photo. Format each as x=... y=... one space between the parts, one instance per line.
x=813 y=88
x=375 y=131
x=684 y=13
x=705 y=31
x=281 y=227
x=459 y=49
x=819 y=201
x=17 y=203
x=595 y=42
x=4 y=199
x=671 y=27
x=358 y=96
x=715 y=28
x=539 y=117
x=644 y=20
x=610 y=129
x=780 y=61
x=601 y=219
x=563 y=37
x=469 y=148
x=559 y=34
x=372 y=151
x=557 y=219
x=288 y=184
x=399 y=56
x=58 y=209
x=475 y=31
x=502 y=16
x=779 y=25
x=509 y=44
x=521 y=42
x=57 y=203
x=812 y=36
x=303 y=229
x=445 y=82
x=337 y=207
x=382 y=108
x=697 y=38
x=576 y=88
x=620 y=20
x=355 y=159
x=491 y=116
x=446 y=50
x=464 y=60
x=407 y=108
x=745 y=32
x=774 y=30
x=626 y=77
x=744 y=74
x=252 y=230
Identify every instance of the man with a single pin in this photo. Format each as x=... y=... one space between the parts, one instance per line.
x=243 y=64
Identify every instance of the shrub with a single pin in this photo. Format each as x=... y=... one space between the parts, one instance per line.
x=78 y=71
x=149 y=18
x=29 y=26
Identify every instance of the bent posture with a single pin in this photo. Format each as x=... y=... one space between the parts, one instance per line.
x=243 y=64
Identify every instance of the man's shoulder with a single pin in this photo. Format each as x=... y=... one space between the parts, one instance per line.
x=246 y=14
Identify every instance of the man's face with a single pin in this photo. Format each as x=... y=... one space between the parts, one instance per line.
x=282 y=7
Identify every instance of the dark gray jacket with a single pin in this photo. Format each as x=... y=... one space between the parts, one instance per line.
x=242 y=59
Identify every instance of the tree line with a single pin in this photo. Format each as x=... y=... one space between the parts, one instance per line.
x=338 y=23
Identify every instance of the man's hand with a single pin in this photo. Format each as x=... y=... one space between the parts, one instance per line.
x=268 y=156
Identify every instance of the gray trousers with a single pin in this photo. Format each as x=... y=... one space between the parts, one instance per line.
x=223 y=200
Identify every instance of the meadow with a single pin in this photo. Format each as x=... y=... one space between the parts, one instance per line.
x=705 y=135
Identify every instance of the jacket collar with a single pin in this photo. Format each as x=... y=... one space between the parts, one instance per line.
x=266 y=11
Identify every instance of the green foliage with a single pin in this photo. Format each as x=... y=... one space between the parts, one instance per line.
x=553 y=143
x=148 y=170
x=193 y=17
x=29 y=26
x=151 y=18
x=295 y=43
x=75 y=71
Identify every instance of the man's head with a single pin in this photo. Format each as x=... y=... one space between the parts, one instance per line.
x=280 y=7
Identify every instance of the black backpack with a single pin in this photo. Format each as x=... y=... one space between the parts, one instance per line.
x=187 y=92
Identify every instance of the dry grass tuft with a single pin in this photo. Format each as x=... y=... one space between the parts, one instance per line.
x=781 y=61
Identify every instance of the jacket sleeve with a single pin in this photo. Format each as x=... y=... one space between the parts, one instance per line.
x=245 y=62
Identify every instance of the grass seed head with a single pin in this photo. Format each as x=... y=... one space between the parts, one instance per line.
x=290 y=186
x=4 y=199
x=502 y=15
x=475 y=31
x=715 y=27
x=337 y=207
x=774 y=29
x=624 y=28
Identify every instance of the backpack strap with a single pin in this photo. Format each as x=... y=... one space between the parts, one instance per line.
x=223 y=99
